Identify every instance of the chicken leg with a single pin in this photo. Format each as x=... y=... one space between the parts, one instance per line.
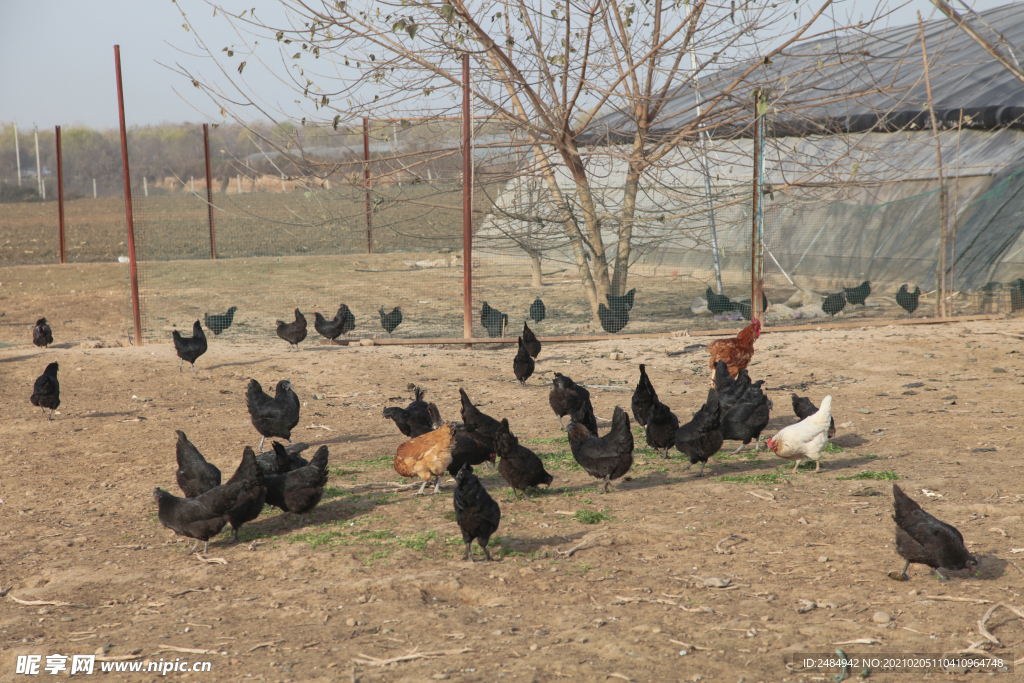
x=437 y=485
x=469 y=552
x=423 y=486
x=260 y=449
x=180 y=361
x=487 y=553
x=903 y=572
x=735 y=452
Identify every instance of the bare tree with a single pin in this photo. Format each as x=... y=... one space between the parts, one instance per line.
x=603 y=94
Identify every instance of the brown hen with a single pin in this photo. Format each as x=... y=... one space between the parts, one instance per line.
x=736 y=352
x=426 y=456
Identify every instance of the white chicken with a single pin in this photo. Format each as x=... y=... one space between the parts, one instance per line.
x=805 y=439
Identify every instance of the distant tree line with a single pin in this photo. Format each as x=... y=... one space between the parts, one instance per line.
x=176 y=151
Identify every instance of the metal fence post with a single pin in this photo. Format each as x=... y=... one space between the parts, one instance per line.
x=209 y=190
x=133 y=269
x=60 y=196
x=757 y=246
x=467 y=209
x=366 y=184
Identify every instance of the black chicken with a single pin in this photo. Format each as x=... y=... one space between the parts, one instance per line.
x=538 y=311
x=612 y=319
x=718 y=303
x=390 y=321
x=908 y=300
x=293 y=332
x=273 y=416
x=220 y=322
x=522 y=364
x=413 y=420
x=249 y=503
x=42 y=336
x=644 y=398
x=348 y=319
x=204 y=516
x=625 y=301
x=478 y=424
x=469 y=450
x=300 y=490
x=493 y=320
x=803 y=408
x=476 y=512
x=519 y=466
x=46 y=391
x=922 y=539
x=282 y=459
x=834 y=303
x=857 y=296
x=701 y=437
x=190 y=348
x=568 y=398
x=607 y=457
x=531 y=341
x=747 y=418
x=662 y=426
x=730 y=391
x=328 y=329
x=744 y=306
x=195 y=475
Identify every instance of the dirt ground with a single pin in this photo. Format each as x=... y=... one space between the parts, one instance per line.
x=684 y=578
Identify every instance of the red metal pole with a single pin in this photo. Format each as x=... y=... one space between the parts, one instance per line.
x=366 y=183
x=60 y=197
x=133 y=269
x=467 y=208
x=209 y=190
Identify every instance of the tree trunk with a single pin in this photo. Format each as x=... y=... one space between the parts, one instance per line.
x=535 y=267
x=619 y=280
x=591 y=223
x=571 y=232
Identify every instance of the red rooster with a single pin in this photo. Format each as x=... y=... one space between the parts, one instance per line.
x=736 y=352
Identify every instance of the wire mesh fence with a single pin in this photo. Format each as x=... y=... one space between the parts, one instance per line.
x=375 y=237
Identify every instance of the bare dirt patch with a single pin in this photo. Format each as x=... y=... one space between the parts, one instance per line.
x=375 y=575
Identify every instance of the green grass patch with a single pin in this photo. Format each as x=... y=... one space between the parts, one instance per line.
x=419 y=541
x=831 y=448
x=451 y=516
x=560 y=460
x=766 y=478
x=373 y=535
x=334 y=492
x=884 y=475
x=317 y=539
x=384 y=460
x=551 y=440
x=871 y=456
x=589 y=516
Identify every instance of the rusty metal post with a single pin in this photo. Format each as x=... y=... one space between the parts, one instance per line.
x=467 y=208
x=133 y=268
x=366 y=184
x=60 y=197
x=757 y=238
x=209 y=190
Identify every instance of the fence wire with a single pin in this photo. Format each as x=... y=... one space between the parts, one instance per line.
x=396 y=241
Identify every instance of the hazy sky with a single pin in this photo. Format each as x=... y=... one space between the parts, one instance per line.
x=58 y=58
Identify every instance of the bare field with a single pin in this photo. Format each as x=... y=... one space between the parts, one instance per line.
x=376 y=573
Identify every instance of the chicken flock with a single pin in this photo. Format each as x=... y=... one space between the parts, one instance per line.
x=736 y=408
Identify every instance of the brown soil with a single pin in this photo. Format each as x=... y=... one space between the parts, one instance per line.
x=377 y=572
